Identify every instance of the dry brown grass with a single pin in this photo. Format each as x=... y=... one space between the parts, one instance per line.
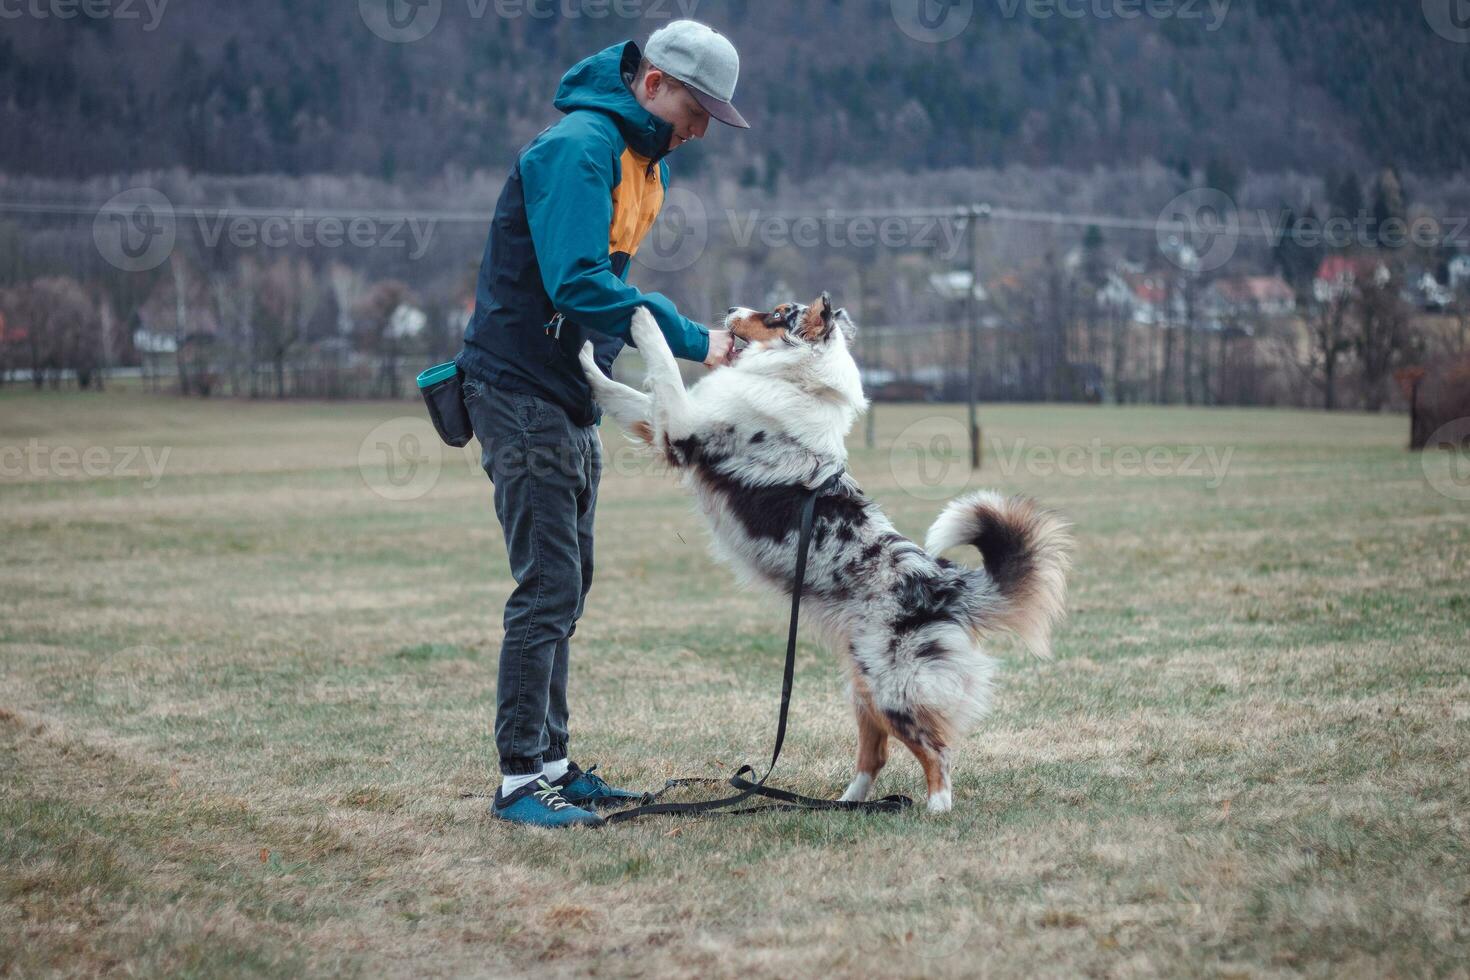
x=239 y=708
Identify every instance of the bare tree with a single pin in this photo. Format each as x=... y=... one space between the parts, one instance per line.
x=376 y=333
x=289 y=298
x=63 y=331
x=1382 y=332
x=1330 y=335
x=235 y=300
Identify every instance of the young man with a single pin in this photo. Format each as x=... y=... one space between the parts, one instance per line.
x=578 y=202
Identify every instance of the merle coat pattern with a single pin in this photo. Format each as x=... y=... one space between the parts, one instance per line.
x=750 y=440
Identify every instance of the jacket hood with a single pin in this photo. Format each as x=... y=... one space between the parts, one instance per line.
x=597 y=83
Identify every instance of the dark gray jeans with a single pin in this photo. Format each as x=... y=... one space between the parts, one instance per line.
x=545 y=470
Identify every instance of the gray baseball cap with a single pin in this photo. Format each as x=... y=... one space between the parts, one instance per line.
x=704 y=60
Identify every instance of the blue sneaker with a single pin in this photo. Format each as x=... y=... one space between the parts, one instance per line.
x=541 y=805
x=586 y=789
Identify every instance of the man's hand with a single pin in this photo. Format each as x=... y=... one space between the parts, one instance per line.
x=721 y=345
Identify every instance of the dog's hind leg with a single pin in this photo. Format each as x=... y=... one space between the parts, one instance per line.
x=919 y=732
x=632 y=409
x=872 y=752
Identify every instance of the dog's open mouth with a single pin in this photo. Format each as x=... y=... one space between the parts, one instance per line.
x=737 y=349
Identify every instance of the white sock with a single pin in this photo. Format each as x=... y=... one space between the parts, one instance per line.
x=509 y=784
x=555 y=770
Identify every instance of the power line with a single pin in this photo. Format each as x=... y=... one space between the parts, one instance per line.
x=957 y=212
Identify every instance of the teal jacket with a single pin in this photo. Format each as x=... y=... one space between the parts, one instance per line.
x=577 y=204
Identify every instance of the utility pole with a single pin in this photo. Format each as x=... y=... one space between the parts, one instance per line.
x=976 y=213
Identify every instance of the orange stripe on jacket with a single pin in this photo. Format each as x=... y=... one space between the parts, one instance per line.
x=637 y=199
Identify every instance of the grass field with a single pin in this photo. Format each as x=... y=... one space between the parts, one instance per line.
x=242 y=691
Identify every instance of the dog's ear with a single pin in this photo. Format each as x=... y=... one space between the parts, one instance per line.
x=817 y=325
x=845 y=324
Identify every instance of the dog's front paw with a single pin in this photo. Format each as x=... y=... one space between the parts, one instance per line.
x=941 y=802
x=646 y=333
x=858 y=789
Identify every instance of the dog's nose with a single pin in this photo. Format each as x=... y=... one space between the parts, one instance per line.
x=731 y=310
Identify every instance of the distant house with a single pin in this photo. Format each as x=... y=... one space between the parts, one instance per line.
x=1337 y=273
x=1250 y=296
x=146 y=341
x=1459 y=273
x=407 y=322
x=1148 y=296
x=956 y=283
x=1427 y=292
x=11 y=333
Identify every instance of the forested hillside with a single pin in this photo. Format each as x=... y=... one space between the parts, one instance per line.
x=303 y=86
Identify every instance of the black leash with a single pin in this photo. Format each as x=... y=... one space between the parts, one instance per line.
x=788 y=800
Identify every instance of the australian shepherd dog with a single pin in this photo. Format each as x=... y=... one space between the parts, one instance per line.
x=753 y=439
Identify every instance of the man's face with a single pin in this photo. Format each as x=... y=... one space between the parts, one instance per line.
x=670 y=100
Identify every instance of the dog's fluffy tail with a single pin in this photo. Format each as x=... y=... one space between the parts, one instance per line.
x=1027 y=552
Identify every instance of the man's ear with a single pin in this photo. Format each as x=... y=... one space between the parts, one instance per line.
x=651 y=82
